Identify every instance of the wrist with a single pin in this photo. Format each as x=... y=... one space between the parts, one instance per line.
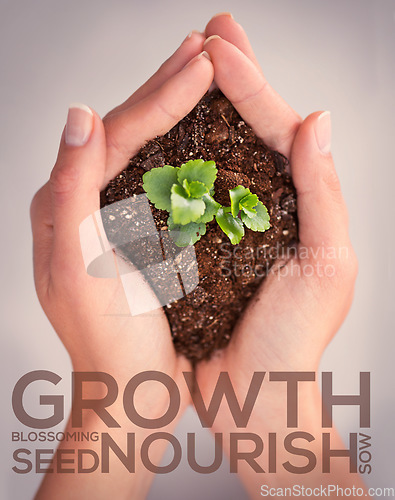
x=282 y=444
x=145 y=398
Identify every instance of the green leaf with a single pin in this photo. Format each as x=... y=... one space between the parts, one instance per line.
x=236 y=195
x=196 y=189
x=260 y=221
x=198 y=170
x=185 y=185
x=157 y=183
x=185 y=235
x=183 y=208
x=248 y=203
x=231 y=226
x=211 y=209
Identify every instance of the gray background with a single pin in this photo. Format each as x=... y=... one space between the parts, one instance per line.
x=335 y=55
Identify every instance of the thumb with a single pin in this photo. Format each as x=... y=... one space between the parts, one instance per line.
x=75 y=184
x=322 y=213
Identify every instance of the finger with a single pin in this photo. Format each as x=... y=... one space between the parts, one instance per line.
x=190 y=47
x=244 y=85
x=322 y=212
x=42 y=229
x=227 y=28
x=75 y=186
x=155 y=115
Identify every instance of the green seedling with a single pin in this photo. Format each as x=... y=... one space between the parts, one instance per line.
x=187 y=194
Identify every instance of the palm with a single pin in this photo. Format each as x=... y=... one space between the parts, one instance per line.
x=299 y=308
x=91 y=314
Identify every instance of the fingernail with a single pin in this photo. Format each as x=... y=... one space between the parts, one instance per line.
x=79 y=124
x=196 y=58
x=189 y=35
x=204 y=54
x=212 y=37
x=223 y=14
x=323 y=132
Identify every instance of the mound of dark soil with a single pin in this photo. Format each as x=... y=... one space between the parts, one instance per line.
x=229 y=275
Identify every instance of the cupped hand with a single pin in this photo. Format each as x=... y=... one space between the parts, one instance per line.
x=303 y=301
x=90 y=314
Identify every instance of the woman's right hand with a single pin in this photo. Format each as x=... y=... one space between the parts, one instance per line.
x=90 y=314
x=302 y=302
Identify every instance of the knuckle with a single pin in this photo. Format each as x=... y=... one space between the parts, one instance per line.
x=40 y=203
x=252 y=95
x=35 y=203
x=115 y=129
x=289 y=134
x=64 y=181
x=173 y=116
x=332 y=183
x=112 y=112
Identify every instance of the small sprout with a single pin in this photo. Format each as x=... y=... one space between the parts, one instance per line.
x=187 y=234
x=200 y=171
x=187 y=194
x=236 y=195
x=158 y=183
x=212 y=208
x=231 y=226
x=184 y=208
x=248 y=203
x=260 y=221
